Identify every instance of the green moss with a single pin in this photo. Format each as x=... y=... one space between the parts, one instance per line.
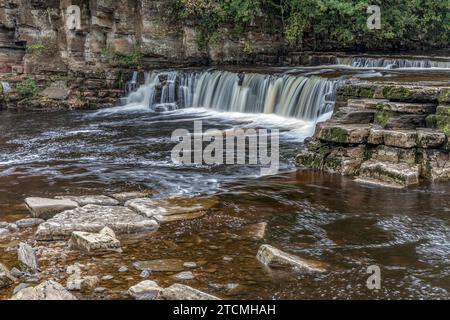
x=431 y=121
x=444 y=97
x=397 y=94
x=383 y=115
x=336 y=134
x=132 y=60
x=443 y=119
x=356 y=92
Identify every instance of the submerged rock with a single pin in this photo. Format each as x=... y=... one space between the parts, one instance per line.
x=46 y=208
x=185 y=275
x=6 y=279
x=93 y=218
x=126 y=196
x=27 y=257
x=165 y=265
x=183 y=292
x=49 y=290
x=97 y=200
x=255 y=231
x=273 y=257
x=172 y=209
x=95 y=242
x=146 y=290
x=29 y=223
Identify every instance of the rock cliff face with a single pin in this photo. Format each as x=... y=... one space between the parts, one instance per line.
x=89 y=47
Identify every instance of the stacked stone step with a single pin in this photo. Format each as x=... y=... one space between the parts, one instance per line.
x=383 y=135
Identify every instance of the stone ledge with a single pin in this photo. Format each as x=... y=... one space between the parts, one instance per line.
x=389 y=174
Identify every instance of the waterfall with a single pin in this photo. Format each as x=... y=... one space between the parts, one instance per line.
x=304 y=98
x=393 y=63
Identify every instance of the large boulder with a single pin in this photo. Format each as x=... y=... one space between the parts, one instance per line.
x=273 y=257
x=183 y=292
x=146 y=290
x=93 y=218
x=46 y=208
x=49 y=290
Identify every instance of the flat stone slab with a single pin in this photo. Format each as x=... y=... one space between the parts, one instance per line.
x=49 y=290
x=411 y=108
x=182 y=292
x=162 y=265
x=389 y=174
x=273 y=257
x=400 y=138
x=428 y=139
x=29 y=223
x=98 y=200
x=364 y=104
x=126 y=196
x=46 y=208
x=95 y=242
x=342 y=133
x=162 y=209
x=93 y=218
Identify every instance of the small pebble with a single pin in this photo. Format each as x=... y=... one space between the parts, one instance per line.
x=107 y=278
x=123 y=269
x=187 y=275
x=191 y=265
x=146 y=274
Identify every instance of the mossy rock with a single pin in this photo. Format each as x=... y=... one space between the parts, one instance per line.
x=443 y=119
x=431 y=121
x=397 y=93
x=350 y=91
x=336 y=134
x=444 y=97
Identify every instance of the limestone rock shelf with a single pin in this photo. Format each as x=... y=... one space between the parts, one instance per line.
x=392 y=135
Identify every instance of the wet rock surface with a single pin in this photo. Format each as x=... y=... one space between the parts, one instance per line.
x=93 y=218
x=6 y=279
x=27 y=258
x=49 y=290
x=95 y=200
x=164 y=265
x=105 y=240
x=273 y=257
x=145 y=290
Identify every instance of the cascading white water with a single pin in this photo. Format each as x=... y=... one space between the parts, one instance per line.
x=400 y=63
x=285 y=95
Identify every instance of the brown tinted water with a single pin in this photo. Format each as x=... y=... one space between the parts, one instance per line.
x=346 y=225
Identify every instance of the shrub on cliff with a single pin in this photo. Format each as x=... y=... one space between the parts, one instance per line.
x=326 y=24
x=27 y=88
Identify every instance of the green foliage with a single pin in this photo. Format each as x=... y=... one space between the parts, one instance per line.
x=27 y=88
x=37 y=50
x=132 y=60
x=328 y=23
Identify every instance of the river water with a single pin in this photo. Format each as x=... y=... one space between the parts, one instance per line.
x=344 y=224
